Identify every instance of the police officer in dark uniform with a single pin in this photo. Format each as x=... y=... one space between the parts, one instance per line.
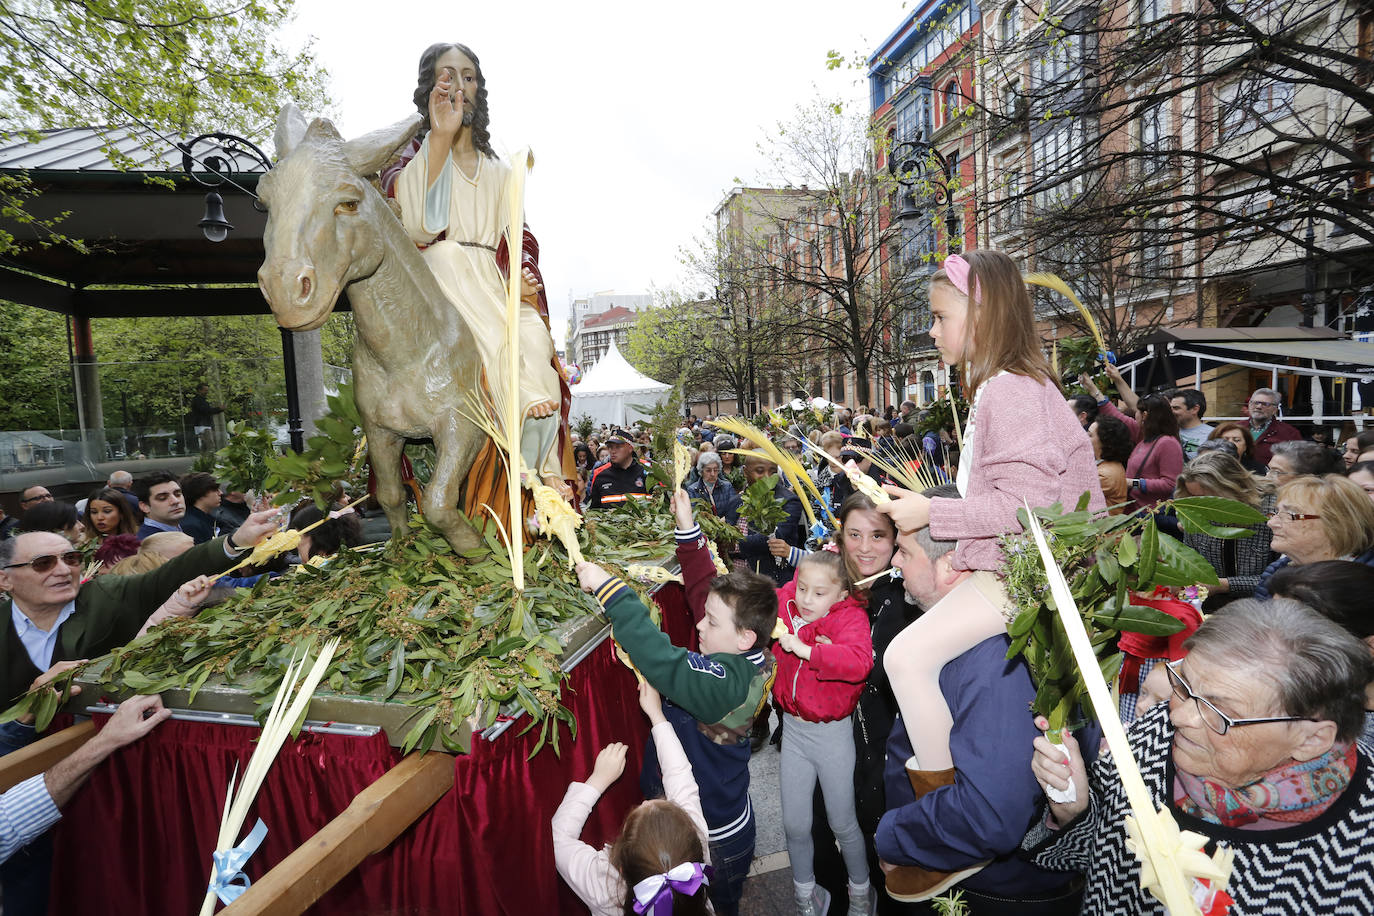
x=620 y=478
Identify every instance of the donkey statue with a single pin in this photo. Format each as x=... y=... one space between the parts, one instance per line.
x=329 y=229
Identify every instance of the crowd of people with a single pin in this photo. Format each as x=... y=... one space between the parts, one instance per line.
x=909 y=763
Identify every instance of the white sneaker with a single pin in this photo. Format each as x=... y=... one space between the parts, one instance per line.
x=818 y=904
x=865 y=904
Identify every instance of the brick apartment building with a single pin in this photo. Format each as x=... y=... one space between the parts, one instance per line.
x=595 y=321
x=1168 y=176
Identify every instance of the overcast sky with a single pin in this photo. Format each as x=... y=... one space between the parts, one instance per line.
x=642 y=115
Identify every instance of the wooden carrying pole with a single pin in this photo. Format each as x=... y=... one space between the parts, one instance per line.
x=369 y=824
x=40 y=756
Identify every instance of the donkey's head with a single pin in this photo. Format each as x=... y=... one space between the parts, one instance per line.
x=324 y=219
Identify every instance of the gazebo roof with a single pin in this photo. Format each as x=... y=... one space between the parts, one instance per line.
x=141 y=232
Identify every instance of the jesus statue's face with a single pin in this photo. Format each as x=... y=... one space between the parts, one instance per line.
x=456 y=73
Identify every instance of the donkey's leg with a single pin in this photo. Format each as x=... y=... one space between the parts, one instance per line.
x=384 y=452
x=456 y=444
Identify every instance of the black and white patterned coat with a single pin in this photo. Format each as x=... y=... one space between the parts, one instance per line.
x=1324 y=866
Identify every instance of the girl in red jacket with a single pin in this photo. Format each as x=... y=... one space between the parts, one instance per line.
x=823 y=661
x=1022 y=444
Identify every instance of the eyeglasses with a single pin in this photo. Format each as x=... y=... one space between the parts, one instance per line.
x=1254 y=403
x=42 y=497
x=47 y=561
x=1295 y=516
x=1212 y=717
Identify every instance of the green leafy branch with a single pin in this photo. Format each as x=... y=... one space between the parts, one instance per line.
x=1106 y=559
x=760 y=507
x=333 y=464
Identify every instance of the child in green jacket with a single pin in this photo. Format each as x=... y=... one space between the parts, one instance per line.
x=712 y=695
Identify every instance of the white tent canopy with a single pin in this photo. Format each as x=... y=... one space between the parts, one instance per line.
x=612 y=390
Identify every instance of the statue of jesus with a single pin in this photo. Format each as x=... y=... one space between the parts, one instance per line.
x=451 y=188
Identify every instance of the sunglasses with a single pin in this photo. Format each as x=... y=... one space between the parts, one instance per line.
x=46 y=562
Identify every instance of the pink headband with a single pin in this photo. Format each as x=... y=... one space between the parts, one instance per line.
x=956 y=269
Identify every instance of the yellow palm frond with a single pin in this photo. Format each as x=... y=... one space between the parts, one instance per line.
x=862 y=482
x=915 y=478
x=787 y=463
x=1053 y=281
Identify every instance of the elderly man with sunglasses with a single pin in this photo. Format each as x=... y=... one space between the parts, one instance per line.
x=51 y=616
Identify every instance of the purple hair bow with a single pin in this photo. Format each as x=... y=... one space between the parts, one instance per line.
x=656 y=891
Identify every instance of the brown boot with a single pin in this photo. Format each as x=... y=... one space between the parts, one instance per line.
x=911 y=883
x=923 y=782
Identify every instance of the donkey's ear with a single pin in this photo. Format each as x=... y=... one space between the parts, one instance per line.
x=290 y=129
x=368 y=153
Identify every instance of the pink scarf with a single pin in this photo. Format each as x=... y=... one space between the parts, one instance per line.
x=1291 y=794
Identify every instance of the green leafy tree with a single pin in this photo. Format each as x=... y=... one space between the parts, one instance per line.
x=184 y=67
x=36 y=385
x=154 y=366
x=695 y=341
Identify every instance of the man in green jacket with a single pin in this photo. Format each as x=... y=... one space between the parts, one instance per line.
x=52 y=616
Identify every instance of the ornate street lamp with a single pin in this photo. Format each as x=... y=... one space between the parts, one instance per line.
x=910 y=163
x=232 y=155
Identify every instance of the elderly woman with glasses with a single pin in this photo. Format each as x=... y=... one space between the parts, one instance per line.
x=1255 y=751
x=1290 y=460
x=714 y=489
x=1320 y=518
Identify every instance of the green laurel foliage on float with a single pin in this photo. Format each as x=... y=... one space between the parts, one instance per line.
x=332 y=467
x=420 y=625
x=627 y=531
x=1106 y=560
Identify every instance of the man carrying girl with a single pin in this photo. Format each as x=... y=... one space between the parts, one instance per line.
x=1022 y=444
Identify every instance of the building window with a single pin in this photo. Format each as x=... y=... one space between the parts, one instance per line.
x=1011 y=21
x=1156 y=257
x=1152 y=128
x=951 y=100
x=1054 y=154
x=908 y=122
x=1060 y=57
x=952 y=170
x=1154 y=139
x=1011 y=98
x=1246 y=104
x=1152 y=11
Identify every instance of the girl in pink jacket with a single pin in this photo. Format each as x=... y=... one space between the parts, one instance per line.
x=824 y=657
x=1022 y=443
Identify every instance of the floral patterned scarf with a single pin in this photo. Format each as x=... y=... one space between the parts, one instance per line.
x=1289 y=794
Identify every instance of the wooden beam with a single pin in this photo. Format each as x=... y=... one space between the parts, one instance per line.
x=375 y=817
x=40 y=292
x=42 y=754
